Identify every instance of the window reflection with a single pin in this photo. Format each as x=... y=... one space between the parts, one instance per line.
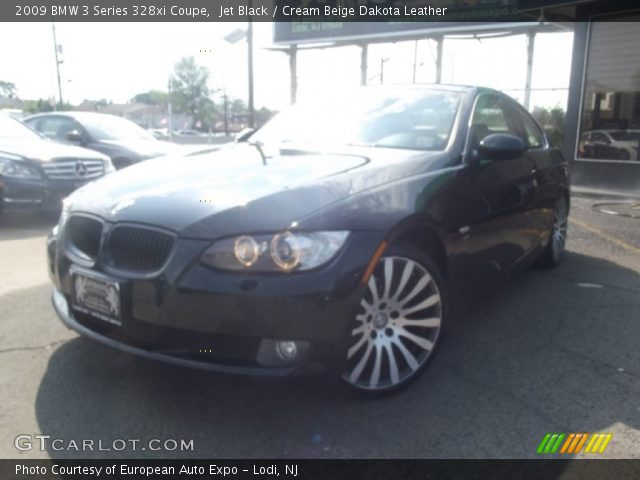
x=610 y=123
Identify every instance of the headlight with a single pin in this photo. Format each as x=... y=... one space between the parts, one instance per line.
x=108 y=166
x=64 y=215
x=17 y=169
x=280 y=252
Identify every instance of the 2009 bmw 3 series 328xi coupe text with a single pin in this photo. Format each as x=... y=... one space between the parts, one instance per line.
x=334 y=237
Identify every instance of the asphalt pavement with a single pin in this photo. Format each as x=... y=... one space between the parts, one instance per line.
x=546 y=351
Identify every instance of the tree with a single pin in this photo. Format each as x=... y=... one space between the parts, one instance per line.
x=7 y=89
x=190 y=92
x=41 y=105
x=152 y=97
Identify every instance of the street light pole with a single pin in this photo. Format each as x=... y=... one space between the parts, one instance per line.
x=169 y=112
x=252 y=112
x=58 y=61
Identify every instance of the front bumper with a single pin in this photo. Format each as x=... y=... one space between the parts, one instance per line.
x=36 y=193
x=195 y=316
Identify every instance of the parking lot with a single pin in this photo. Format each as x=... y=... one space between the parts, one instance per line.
x=547 y=351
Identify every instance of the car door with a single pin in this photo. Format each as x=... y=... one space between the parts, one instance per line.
x=548 y=176
x=499 y=195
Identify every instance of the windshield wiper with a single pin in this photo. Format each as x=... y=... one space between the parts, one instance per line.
x=258 y=145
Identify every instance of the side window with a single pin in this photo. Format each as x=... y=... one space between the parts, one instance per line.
x=492 y=114
x=56 y=128
x=599 y=137
x=533 y=135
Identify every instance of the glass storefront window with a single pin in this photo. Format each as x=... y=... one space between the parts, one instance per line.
x=610 y=122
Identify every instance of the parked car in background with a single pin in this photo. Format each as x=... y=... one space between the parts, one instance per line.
x=610 y=144
x=36 y=172
x=159 y=133
x=122 y=140
x=190 y=133
x=334 y=237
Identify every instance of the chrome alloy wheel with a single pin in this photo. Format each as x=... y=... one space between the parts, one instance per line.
x=559 y=232
x=397 y=325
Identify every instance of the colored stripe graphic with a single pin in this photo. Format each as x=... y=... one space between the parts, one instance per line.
x=573 y=443
x=598 y=443
x=581 y=442
x=550 y=443
x=568 y=442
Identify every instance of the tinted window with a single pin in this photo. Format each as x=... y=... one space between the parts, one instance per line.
x=55 y=128
x=492 y=114
x=533 y=135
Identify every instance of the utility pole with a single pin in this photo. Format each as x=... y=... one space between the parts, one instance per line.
x=252 y=111
x=531 y=39
x=58 y=61
x=415 y=60
x=169 y=112
x=382 y=62
x=364 y=54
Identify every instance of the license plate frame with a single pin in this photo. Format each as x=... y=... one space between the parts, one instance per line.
x=97 y=295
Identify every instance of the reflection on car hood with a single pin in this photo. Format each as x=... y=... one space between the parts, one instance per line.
x=228 y=191
x=44 y=150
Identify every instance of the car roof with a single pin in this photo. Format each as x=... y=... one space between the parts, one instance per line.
x=430 y=86
x=73 y=114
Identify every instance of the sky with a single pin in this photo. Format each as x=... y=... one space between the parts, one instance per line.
x=116 y=61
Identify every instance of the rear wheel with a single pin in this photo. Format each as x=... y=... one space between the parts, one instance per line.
x=398 y=324
x=554 y=251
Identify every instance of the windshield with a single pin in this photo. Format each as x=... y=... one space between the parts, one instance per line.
x=12 y=128
x=109 y=127
x=411 y=119
x=622 y=136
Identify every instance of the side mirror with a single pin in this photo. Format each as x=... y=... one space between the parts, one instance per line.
x=74 y=136
x=499 y=146
x=244 y=135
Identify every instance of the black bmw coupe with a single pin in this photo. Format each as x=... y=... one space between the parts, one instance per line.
x=336 y=236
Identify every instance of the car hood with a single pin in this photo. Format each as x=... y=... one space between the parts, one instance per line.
x=230 y=191
x=45 y=150
x=145 y=148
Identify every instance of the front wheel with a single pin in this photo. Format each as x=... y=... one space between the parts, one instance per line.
x=398 y=324
x=554 y=251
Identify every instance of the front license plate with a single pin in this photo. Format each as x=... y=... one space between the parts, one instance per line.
x=97 y=295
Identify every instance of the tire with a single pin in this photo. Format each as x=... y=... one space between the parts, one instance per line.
x=624 y=155
x=554 y=251
x=398 y=326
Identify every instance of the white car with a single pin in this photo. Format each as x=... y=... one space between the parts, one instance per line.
x=612 y=144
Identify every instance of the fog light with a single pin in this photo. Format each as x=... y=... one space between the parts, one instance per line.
x=287 y=350
x=60 y=302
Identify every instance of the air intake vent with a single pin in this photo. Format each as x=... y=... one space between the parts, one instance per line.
x=84 y=235
x=138 y=249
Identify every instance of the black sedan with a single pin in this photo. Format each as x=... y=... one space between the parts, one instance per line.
x=38 y=173
x=122 y=140
x=334 y=237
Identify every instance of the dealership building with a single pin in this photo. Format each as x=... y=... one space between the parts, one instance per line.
x=602 y=122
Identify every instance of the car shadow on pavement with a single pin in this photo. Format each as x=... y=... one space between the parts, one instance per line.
x=542 y=353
